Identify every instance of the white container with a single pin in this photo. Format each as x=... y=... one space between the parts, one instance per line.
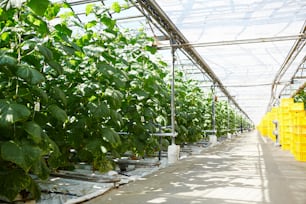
x=213 y=139
x=173 y=153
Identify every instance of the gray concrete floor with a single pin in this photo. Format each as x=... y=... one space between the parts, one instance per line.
x=247 y=169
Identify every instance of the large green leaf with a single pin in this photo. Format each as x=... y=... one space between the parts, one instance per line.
x=46 y=52
x=110 y=23
x=52 y=11
x=41 y=169
x=39 y=6
x=89 y=9
x=59 y=95
x=116 y=7
x=12 y=182
x=58 y=68
x=116 y=118
x=30 y=75
x=57 y=112
x=41 y=94
x=114 y=96
x=23 y=155
x=7 y=64
x=34 y=131
x=111 y=136
x=12 y=112
x=98 y=109
x=6 y=60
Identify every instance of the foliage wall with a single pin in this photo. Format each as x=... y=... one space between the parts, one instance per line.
x=62 y=90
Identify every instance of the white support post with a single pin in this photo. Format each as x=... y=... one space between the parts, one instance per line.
x=173 y=149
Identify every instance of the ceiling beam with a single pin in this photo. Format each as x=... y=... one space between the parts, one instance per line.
x=237 y=42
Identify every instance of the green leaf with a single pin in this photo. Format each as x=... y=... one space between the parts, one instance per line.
x=34 y=131
x=7 y=63
x=116 y=7
x=141 y=94
x=46 y=52
x=12 y=182
x=30 y=75
x=12 y=112
x=57 y=113
x=23 y=155
x=114 y=97
x=111 y=136
x=52 y=11
x=151 y=49
x=6 y=60
x=93 y=145
x=41 y=94
x=68 y=49
x=116 y=118
x=41 y=169
x=51 y=149
x=110 y=23
x=58 y=68
x=59 y=95
x=66 y=15
x=64 y=31
x=5 y=36
x=90 y=24
x=89 y=9
x=106 y=69
x=98 y=109
x=39 y=6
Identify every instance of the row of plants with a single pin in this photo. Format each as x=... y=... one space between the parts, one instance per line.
x=67 y=85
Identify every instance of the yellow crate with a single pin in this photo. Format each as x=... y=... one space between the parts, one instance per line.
x=297 y=107
x=300 y=130
x=300 y=120
x=286 y=102
x=300 y=138
x=300 y=147
x=285 y=146
x=300 y=156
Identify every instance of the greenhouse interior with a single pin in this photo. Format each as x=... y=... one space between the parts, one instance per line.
x=153 y=101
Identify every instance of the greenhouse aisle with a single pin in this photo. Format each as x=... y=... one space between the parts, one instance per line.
x=248 y=169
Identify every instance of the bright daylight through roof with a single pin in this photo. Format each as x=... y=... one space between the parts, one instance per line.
x=188 y=101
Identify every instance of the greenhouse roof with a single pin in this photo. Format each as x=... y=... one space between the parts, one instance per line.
x=253 y=50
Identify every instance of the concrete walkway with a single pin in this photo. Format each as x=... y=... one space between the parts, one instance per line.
x=245 y=170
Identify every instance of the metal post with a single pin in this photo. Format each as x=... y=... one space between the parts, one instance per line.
x=228 y=118
x=172 y=92
x=160 y=143
x=235 y=121
x=241 y=125
x=213 y=109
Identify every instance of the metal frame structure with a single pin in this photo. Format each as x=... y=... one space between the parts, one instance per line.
x=164 y=21
x=294 y=52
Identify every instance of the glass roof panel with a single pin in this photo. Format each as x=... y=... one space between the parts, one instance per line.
x=247 y=69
